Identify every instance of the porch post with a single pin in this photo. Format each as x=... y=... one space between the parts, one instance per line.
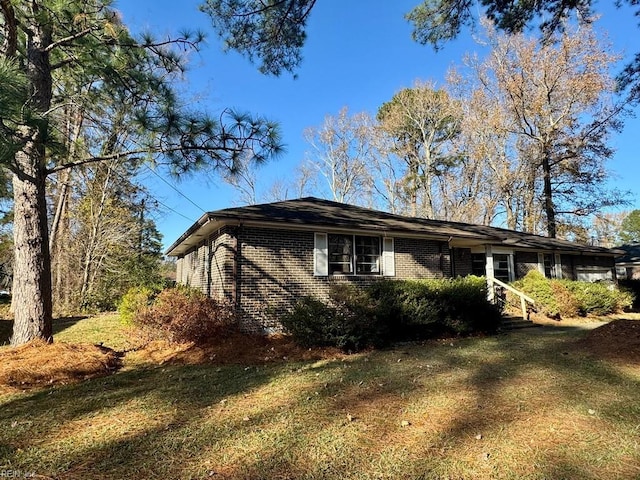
x=489 y=272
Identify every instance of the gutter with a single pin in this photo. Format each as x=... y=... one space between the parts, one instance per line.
x=202 y=221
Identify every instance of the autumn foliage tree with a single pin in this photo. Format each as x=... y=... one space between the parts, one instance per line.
x=554 y=106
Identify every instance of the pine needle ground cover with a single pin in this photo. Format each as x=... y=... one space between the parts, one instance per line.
x=531 y=405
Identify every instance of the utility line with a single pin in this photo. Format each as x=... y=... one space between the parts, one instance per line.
x=169 y=208
x=175 y=189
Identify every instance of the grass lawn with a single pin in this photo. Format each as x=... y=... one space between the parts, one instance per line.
x=523 y=405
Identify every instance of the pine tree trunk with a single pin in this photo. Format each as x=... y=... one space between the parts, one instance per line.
x=32 y=275
x=32 y=265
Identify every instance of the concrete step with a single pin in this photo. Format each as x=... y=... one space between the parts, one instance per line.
x=516 y=323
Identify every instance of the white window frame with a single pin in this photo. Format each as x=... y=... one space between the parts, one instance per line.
x=556 y=268
x=320 y=254
x=558 y=265
x=322 y=267
x=490 y=251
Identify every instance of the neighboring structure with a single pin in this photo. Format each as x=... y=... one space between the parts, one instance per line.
x=628 y=265
x=262 y=258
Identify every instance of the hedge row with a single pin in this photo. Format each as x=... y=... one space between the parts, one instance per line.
x=355 y=318
x=567 y=298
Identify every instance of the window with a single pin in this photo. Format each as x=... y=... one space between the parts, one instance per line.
x=340 y=254
x=354 y=253
x=621 y=273
x=501 y=266
x=367 y=255
x=548 y=266
x=478 y=264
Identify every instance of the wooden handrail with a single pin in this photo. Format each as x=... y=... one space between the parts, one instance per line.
x=523 y=297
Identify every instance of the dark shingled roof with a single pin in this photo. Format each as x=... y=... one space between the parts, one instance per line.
x=631 y=253
x=312 y=212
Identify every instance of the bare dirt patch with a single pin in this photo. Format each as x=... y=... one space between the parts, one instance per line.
x=38 y=364
x=617 y=340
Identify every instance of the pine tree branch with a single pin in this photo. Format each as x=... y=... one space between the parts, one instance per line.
x=69 y=39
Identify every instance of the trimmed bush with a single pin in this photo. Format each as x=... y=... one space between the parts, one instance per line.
x=426 y=308
x=133 y=302
x=349 y=321
x=355 y=318
x=568 y=298
x=600 y=298
x=538 y=287
x=185 y=315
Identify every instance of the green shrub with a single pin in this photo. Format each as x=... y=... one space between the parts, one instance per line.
x=356 y=318
x=539 y=288
x=185 y=315
x=599 y=298
x=133 y=302
x=632 y=289
x=425 y=308
x=349 y=321
x=568 y=298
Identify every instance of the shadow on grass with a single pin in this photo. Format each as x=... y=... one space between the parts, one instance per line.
x=290 y=420
x=59 y=325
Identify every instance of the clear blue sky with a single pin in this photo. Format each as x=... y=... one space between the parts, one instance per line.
x=358 y=54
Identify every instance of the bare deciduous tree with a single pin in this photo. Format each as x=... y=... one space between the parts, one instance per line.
x=342 y=153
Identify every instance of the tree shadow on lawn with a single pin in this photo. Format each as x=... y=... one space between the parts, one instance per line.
x=337 y=418
x=552 y=399
x=59 y=325
x=184 y=421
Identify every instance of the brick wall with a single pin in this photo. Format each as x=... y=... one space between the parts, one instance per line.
x=277 y=268
x=209 y=266
x=222 y=265
x=525 y=262
x=418 y=258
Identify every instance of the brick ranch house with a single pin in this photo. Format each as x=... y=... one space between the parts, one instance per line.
x=261 y=258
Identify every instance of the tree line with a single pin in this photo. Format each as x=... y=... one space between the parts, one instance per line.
x=519 y=138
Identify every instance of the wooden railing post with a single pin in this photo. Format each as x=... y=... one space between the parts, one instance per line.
x=492 y=282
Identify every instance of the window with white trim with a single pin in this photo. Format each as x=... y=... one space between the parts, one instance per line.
x=350 y=254
x=550 y=265
x=501 y=267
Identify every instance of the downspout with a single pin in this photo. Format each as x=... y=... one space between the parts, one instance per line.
x=452 y=258
x=208 y=265
x=237 y=271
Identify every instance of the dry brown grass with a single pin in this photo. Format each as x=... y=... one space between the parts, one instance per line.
x=618 y=340
x=237 y=348
x=522 y=405
x=38 y=364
